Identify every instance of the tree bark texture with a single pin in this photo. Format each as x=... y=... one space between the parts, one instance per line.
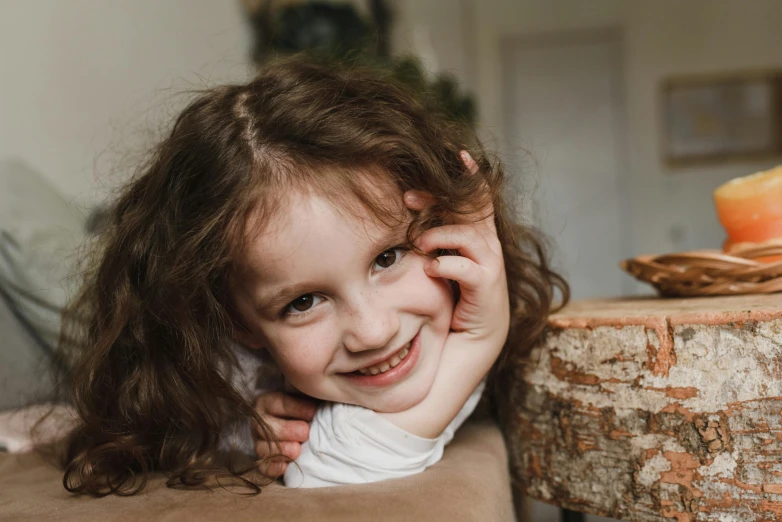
x=655 y=410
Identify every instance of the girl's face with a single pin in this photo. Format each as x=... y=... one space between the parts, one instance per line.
x=344 y=308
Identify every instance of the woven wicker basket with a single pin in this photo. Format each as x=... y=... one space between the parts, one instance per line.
x=711 y=272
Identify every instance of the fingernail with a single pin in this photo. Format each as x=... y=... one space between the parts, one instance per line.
x=434 y=264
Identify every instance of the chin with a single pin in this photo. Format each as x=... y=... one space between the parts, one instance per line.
x=408 y=394
x=404 y=401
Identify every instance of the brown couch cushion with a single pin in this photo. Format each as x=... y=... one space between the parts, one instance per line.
x=470 y=483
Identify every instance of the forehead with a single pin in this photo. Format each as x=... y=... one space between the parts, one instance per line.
x=309 y=227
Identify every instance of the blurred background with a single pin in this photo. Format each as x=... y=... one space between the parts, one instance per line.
x=616 y=118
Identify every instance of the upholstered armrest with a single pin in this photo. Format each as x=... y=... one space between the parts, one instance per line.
x=471 y=482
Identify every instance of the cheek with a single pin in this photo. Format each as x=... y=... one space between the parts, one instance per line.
x=301 y=354
x=426 y=295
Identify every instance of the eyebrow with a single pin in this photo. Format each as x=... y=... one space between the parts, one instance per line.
x=277 y=298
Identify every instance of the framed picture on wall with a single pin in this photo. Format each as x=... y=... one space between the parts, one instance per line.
x=724 y=117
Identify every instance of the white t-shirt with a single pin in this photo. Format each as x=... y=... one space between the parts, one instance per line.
x=351 y=444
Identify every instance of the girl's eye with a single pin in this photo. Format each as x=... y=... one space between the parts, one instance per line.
x=302 y=304
x=389 y=257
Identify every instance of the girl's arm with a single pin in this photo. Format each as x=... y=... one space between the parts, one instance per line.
x=480 y=320
x=463 y=365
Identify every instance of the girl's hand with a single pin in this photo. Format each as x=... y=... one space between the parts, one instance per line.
x=483 y=311
x=481 y=317
x=289 y=417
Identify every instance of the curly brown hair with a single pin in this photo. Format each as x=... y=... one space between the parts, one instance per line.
x=148 y=341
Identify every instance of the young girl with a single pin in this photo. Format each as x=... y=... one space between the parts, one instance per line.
x=379 y=333
x=326 y=218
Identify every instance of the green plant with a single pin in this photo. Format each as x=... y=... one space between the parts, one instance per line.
x=336 y=32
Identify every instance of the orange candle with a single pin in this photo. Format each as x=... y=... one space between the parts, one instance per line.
x=750 y=209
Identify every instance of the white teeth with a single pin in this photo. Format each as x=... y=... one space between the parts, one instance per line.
x=388 y=364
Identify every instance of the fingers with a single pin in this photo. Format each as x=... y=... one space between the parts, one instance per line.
x=273 y=468
x=285 y=405
x=287 y=430
x=276 y=465
x=460 y=269
x=468 y=161
x=289 y=449
x=472 y=166
x=418 y=200
x=288 y=417
x=476 y=244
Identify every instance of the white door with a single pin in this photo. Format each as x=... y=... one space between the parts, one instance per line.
x=564 y=106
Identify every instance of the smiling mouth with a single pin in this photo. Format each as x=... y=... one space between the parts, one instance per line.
x=389 y=363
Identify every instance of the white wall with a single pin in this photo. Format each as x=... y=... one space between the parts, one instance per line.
x=671 y=208
x=82 y=79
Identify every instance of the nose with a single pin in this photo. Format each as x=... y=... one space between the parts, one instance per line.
x=370 y=324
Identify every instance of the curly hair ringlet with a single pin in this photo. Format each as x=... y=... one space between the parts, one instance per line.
x=146 y=351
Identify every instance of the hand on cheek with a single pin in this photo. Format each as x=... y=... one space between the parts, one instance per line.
x=482 y=311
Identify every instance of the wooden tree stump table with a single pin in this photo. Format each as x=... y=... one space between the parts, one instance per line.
x=655 y=410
